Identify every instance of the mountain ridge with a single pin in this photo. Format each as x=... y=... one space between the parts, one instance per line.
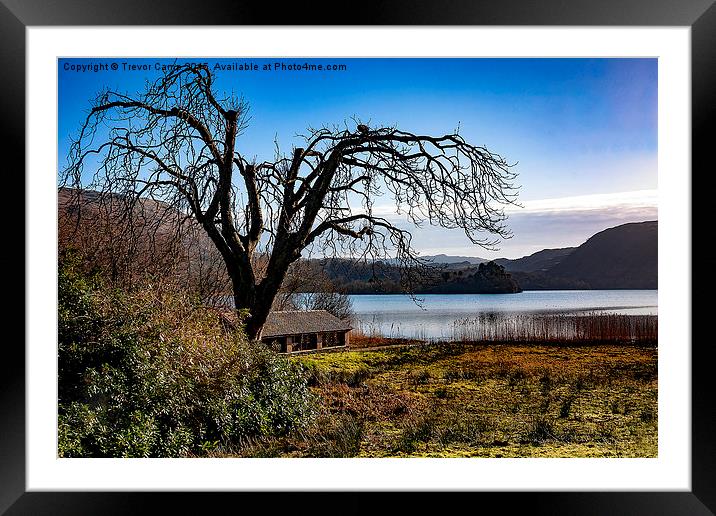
x=625 y=255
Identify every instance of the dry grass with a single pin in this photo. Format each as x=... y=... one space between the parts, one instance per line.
x=501 y=400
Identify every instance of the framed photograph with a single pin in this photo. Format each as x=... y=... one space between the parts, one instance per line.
x=436 y=249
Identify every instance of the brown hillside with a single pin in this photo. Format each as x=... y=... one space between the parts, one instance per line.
x=621 y=257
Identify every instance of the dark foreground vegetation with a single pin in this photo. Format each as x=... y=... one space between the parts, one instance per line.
x=148 y=372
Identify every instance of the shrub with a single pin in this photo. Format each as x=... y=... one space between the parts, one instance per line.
x=337 y=436
x=647 y=415
x=150 y=373
x=566 y=407
x=417 y=429
x=545 y=383
x=542 y=431
x=515 y=378
x=419 y=377
x=351 y=376
x=458 y=374
x=354 y=377
x=442 y=393
x=467 y=429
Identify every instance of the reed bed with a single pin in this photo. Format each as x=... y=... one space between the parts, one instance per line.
x=366 y=337
x=560 y=328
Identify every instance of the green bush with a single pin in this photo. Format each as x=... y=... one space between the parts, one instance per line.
x=150 y=373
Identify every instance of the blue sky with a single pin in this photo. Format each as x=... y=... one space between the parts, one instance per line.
x=583 y=132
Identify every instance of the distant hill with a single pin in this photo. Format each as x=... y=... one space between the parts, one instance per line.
x=156 y=242
x=622 y=257
x=450 y=260
x=540 y=261
x=617 y=258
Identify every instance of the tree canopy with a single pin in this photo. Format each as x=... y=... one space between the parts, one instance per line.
x=179 y=142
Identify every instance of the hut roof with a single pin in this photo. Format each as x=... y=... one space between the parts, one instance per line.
x=294 y=322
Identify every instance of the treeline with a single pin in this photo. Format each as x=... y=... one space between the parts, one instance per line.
x=381 y=277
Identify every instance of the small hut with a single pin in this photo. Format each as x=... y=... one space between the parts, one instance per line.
x=301 y=330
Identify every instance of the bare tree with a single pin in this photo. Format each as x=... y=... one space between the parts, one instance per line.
x=178 y=142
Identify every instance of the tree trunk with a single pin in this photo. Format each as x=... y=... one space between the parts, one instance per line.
x=255 y=323
x=256 y=300
x=260 y=297
x=245 y=297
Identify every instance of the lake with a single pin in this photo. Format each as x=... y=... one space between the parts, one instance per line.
x=396 y=315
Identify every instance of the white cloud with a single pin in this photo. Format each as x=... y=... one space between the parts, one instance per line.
x=620 y=200
x=539 y=224
x=635 y=201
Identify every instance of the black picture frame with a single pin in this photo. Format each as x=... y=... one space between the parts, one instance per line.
x=700 y=15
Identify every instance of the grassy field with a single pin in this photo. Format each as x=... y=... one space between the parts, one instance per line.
x=501 y=400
